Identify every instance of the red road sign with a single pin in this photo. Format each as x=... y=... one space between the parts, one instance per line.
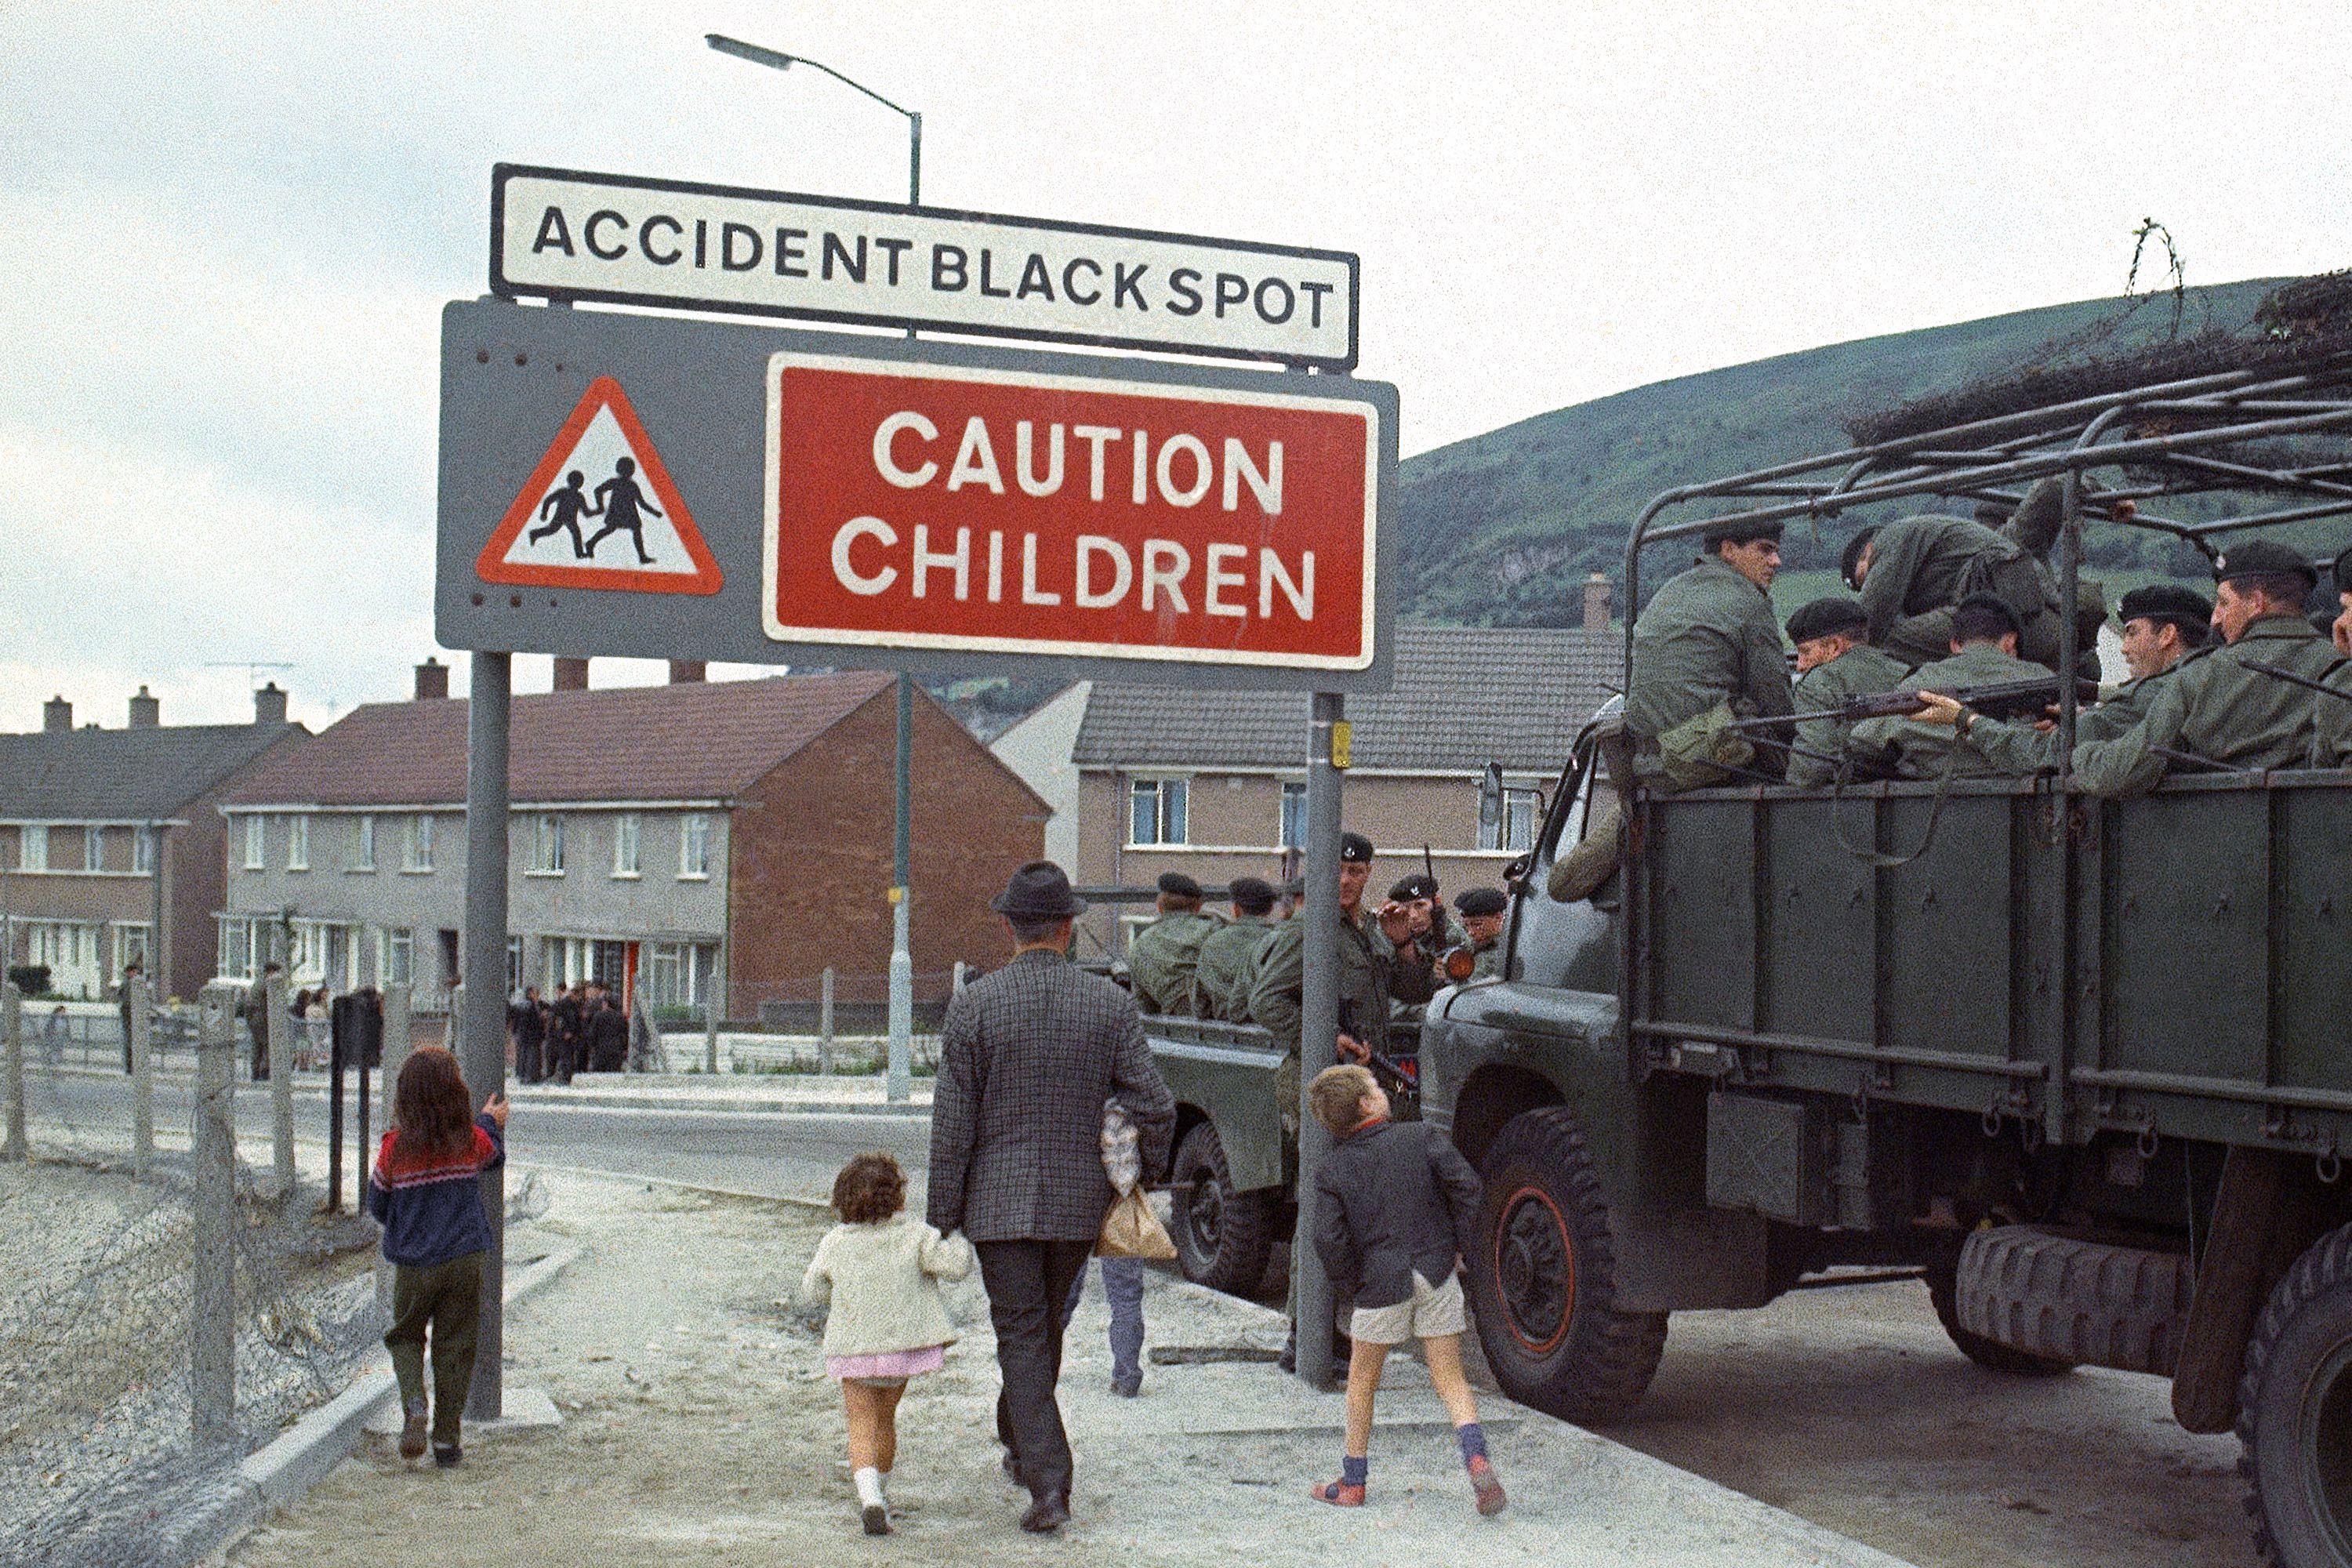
x=592 y=523
x=952 y=507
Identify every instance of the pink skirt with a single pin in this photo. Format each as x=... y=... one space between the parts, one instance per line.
x=895 y=1364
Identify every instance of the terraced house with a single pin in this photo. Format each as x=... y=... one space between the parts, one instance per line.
x=730 y=837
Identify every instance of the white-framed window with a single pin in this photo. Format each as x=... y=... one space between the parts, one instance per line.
x=624 y=845
x=33 y=847
x=1293 y=826
x=1156 y=811
x=547 y=845
x=255 y=829
x=133 y=941
x=93 y=848
x=143 y=851
x=236 y=948
x=395 y=956
x=417 y=842
x=1516 y=829
x=693 y=847
x=298 y=844
x=514 y=966
x=678 y=974
x=363 y=843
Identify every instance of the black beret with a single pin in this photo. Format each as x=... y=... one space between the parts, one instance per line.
x=1986 y=605
x=1477 y=901
x=1850 y=559
x=1181 y=885
x=1823 y=617
x=2165 y=602
x=1420 y=885
x=1357 y=847
x=2344 y=571
x=1733 y=532
x=1252 y=895
x=2263 y=558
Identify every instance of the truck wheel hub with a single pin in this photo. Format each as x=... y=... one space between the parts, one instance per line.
x=1535 y=1268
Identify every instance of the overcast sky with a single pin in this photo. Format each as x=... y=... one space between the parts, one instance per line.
x=229 y=227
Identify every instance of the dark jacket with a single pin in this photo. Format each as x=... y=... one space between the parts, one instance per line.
x=608 y=1039
x=430 y=1204
x=1028 y=1058
x=1392 y=1200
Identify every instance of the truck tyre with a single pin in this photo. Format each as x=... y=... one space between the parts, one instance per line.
x=1222 y=1237
x=2294 y=1412
x=2070 y=1300
x=1942 y=1288
x=1544 y=1284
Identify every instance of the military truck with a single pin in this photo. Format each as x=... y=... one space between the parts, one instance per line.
x=2083 y=1064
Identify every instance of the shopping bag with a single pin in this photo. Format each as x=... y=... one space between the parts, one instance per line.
x=1131 y=1230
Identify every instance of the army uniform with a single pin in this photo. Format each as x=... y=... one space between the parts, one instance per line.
x=1370 y=977
x=1163 y=958
x=2034 y=528
x=1925 y=750
x=1707 y=642
x=2332 y=724
x=1859 y=671
x=1920 y=567
x=1227 y=964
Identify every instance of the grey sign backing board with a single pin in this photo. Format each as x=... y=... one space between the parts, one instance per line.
x=560 y=234
x=625 y=485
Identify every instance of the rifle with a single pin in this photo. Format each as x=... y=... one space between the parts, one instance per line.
x=2288 y=675
x=1400 y=1081
x=1999 y=700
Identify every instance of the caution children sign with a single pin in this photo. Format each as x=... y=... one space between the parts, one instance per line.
x=600 y=511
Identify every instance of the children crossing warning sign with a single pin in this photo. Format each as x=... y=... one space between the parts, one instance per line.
x=601 y=511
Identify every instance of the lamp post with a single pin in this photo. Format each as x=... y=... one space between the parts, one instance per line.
x=902 y=963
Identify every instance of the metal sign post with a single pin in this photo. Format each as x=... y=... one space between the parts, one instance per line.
x=1319 y=1002
x=482 y=1028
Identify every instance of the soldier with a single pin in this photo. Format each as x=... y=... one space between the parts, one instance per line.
x=1834 y=661
x=2163 y=624
x=2332 y=724
x=1482 y=911
x=2212 y=706
x=2035 y=527
x=1228 y=955
x=1706 y=650
x=1984 y=653
x=1912 y=572
x=1433 y=923
x=1165 y=955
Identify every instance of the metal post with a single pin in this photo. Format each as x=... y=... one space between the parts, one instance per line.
x=902 y=963
x=710 y=1032
x=154 y=954
x=955 y=986
x=399 y=1039
x=278 y=1029
x=142 y=1080
x=212 y=1323
x=484 y=1058
x=824 y=1022
x=1318 y=1000
x=12 y=1070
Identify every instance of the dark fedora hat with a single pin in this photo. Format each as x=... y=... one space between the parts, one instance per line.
x=1038 y=892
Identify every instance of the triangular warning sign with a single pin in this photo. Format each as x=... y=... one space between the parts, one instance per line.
x=600 y=511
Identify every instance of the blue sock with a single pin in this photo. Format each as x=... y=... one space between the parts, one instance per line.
x=1352 y=1470
x=1473 y=1439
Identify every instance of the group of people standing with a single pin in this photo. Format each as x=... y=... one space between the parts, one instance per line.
x=584 y=1029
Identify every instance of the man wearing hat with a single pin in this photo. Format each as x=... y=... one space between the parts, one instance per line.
x=2163 y=624
x=2212 y=706
x=1913 y=572
x=1434 y=925
x=1984 y=653
x=1482 y=910
x=1706 y=651
x=1221 y=980
x=1028 y=1056
x=1834 y=661
x=1165 y=955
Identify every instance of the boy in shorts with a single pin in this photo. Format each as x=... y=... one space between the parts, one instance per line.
x=1395 y=1205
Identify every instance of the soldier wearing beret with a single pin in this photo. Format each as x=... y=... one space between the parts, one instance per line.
x=1706 y=650
x=1165 y=955
x=1434 y=925
x=1913 y=572
x=2334 y=719
x=1834 y=661
x=1984 y=653
x=1482 y=910
x=1220 y=981
x=2163 y=624
x=2212 y=706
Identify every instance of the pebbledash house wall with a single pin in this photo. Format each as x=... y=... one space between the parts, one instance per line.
x=813 y=860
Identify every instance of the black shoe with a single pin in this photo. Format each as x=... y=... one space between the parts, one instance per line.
x=1125 y=1388
x=1047 y=1514
x=877 y=1519
x=446 y=1454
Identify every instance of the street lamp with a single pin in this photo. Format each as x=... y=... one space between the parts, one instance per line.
x=902 y=963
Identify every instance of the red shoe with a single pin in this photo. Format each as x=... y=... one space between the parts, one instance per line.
x=1338 y=1494
x=1483 y=1482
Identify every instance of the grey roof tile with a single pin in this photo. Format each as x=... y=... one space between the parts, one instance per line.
x=115 y=775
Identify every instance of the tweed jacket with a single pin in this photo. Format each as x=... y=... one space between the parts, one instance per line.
x=1028 y=1056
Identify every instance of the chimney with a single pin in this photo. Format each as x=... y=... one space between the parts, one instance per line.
x=571 y=675
x=146 y=712
x=56 y=716
x=269 y=705
x=1596 y=603
x=432 y=680
x=685 y=671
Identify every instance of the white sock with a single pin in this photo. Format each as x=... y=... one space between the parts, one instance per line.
x=869 y=1487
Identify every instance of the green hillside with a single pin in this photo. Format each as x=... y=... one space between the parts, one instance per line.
x=1501 y=529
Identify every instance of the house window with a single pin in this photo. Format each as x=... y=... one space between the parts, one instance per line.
x=143 y=851
x=298 y=844
x=236 y=948
x=93 y=848
x=1522 y=813
x=1156 y=812
x=253 y=841
x=131 y=946
x=1294 y=817
x=363 y=844
x=547 y=845
x=416 y=843
x=395 y=956
x=624 y=845
x=33 y=847
x=514 y=966
x=693 y=847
